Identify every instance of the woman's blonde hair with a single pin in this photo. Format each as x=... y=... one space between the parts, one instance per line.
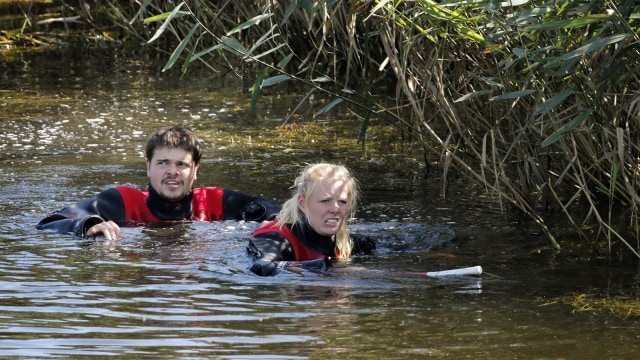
x=304 y=185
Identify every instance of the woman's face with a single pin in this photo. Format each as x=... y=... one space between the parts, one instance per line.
x=172 y=172
x=327 y=206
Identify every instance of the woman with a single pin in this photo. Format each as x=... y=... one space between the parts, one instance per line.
x=311 y=228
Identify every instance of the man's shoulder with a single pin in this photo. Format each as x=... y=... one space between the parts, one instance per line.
x=208 y=190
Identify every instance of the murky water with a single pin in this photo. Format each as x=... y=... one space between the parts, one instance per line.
x=75 y=122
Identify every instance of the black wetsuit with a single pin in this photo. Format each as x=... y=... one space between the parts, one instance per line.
x=128 y=206
x=274 y=248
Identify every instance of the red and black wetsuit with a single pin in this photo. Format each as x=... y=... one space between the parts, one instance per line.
x=274 y=248
x=128 y=206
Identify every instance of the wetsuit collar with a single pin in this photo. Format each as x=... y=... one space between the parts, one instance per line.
x=164 y=210
x=310 y=238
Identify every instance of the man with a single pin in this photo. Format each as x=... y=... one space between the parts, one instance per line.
x=172 y=158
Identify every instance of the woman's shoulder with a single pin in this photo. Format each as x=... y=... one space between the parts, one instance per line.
x=273 y=226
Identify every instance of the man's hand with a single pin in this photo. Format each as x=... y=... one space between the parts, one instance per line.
x=108 y=229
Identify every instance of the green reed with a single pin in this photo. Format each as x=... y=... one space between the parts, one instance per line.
x=537 y=101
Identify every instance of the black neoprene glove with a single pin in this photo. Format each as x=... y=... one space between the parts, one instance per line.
x=363 y=244
x=265 y=268
x=260 y=210
x=271 y=268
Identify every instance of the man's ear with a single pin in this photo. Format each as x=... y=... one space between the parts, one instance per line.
x=148 y=167
x=195 y=171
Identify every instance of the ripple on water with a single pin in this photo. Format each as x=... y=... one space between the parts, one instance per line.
x=187 y=293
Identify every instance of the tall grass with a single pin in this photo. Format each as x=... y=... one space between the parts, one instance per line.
x=538 y=101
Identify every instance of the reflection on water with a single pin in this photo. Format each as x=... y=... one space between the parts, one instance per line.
x=81 y=297
x=74 y=127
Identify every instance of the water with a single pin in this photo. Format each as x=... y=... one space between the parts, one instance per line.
x=75 y=122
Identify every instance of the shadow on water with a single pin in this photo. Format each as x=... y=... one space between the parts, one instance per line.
x=76 y=122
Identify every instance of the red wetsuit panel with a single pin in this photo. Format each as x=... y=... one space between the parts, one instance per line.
x=206 y=205
x=300 y=251
x=135 y=206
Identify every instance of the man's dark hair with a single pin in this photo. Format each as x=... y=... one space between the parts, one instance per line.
x=174 y=137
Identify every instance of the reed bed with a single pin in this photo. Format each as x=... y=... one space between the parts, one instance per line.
x=537 y=101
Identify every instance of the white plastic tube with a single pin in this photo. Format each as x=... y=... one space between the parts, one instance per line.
x=473 y=270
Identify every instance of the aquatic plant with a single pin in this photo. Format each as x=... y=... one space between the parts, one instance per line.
x=55 y=23
x=537 y=101
x=622 y=306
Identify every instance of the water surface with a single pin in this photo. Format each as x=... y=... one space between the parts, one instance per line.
x=75 y=122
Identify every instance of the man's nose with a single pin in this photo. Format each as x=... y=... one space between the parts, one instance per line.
x=172 y=169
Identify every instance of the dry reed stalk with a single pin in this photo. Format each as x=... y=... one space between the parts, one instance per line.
x=468 y=78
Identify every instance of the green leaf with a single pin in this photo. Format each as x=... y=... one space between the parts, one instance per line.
x=165 y=24
x=178 y=50
x=140 y=11
x=164 y=16
x=514 y=3
x=614 y=178
x=486 y=80
x=512 y=95
x=232 y=45
x=570 y=23
x=565 y=67
x=329 y=106
x=473 y=95
x=322 y=79
x=201 y=53
x=518 y=52
x=298 y=106
x=567 y=128
x=362 y=137
x=284 y=62
x=256 y=57
x=288 y=11
x=253 y=21
x=593 y=46
x=274 y=80
x=306 y=5
x=265 y=37
x=257 y=87
x=185 y=64
x=469 y=34
x=378 y=6
x=556 y=100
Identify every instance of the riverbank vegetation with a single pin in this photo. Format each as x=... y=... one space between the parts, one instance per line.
x=537 y=101
x=50 y=23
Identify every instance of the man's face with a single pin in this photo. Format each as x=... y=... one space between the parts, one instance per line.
x=172 y=172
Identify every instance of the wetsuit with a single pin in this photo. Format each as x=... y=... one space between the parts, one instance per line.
x=274 y=248
x=128 y=206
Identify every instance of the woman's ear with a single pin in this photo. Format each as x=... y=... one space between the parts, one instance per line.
x=301 y=203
